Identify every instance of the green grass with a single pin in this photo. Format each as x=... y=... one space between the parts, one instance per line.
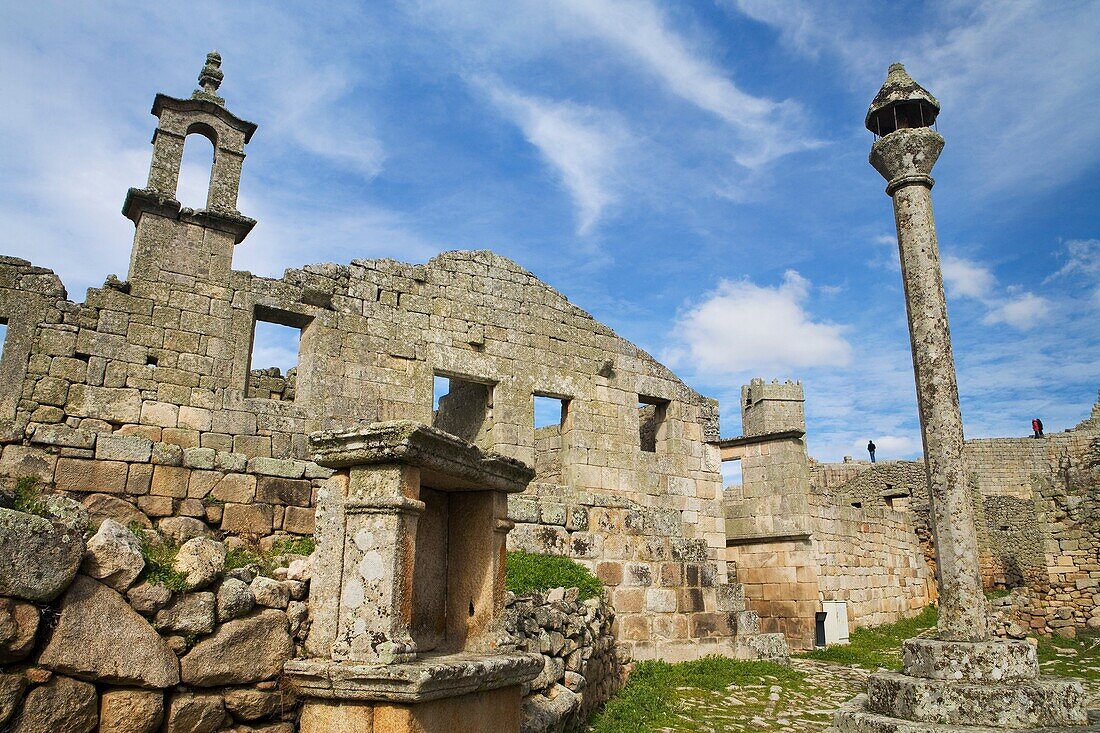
x=652 y=695
x=526 y=572
x=28 y=497
x=297 y=546
x=879 y=646
x=1078 y=657
x=241 y=557
x=159 y=557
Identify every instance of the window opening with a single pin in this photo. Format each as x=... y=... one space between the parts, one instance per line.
x=651 y=422
x=196 y=169
x=3 y=334
x=464 y=408
x=731 y=473
x=273 y=363
x=550 y=421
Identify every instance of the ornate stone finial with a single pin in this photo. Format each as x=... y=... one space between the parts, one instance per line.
x=210 y=78
x=900 y=93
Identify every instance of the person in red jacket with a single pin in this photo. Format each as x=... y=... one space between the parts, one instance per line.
x=1037 y=428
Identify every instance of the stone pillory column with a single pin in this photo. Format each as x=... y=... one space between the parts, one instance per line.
x=904 y=155
x=409 y=587
x=962 y=680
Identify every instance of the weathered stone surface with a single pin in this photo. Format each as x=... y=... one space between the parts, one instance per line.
x=1020 y=704
x=70 y=513
x=100 y=638
x=11 y=692
x=190 y=613
x=39 y=557
x=270 y=593
x=190 y=713
x=105 y=506
x=240 y=652
x=248 y=703
x=178 y=530
x=62 y=705
x=130 y=711
x=113 y=556
x=18 y=626
x=234 y=599
x=201 y=560
x=148 y=598
x=993 y=661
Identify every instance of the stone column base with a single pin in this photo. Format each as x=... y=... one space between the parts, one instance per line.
x=854 y=717
x=454 y=693
x=481 y=712
x=975 y=687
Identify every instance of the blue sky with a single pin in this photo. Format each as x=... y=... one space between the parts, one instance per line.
x=693 y=174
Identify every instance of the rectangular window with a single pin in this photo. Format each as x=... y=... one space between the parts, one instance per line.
x=551 y=418
x=464 y=408
x=274 y=355
x=3 y=334
x=651 y=422
x=731 y=473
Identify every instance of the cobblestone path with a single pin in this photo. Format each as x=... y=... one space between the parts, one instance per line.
x=803 y=708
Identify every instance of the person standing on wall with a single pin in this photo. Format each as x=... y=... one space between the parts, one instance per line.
x=1036 y=428
x=871 y=449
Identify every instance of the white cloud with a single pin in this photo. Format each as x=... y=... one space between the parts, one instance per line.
x=1022 y=312
x=742 y=327
x=770 y=129
x=966 y=278
x=888 y=447
x=1005 y=72
x=1082 y=257
x=582 y=143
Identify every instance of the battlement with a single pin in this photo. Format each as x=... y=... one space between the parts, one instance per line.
x=772 y=407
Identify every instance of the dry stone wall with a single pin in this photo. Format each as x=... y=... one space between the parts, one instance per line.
x=582 y=666
x=90 y=638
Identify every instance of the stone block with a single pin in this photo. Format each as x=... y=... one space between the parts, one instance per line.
x=236 y=488
x=167 y=454
x=182 y=437
x=274 y=490
x=20 y=460
x=280 y=467
x=170 y=481
x=661 y=600
x=610 y=573
x=299 y=520
x=201 y=458
x=106 y=477
x=161 y=414
x=131 y=448
x=156 y=506
x=194 y=418
x=991 y=661
x=248 y=519
x=115 y=405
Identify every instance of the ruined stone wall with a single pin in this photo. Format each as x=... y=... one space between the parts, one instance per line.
x=1035 y=504
x=143 y=392
x=670 y=600
x=872 y=559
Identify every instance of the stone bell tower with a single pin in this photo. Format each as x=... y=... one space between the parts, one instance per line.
x=962 y=680
x=170 y=239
